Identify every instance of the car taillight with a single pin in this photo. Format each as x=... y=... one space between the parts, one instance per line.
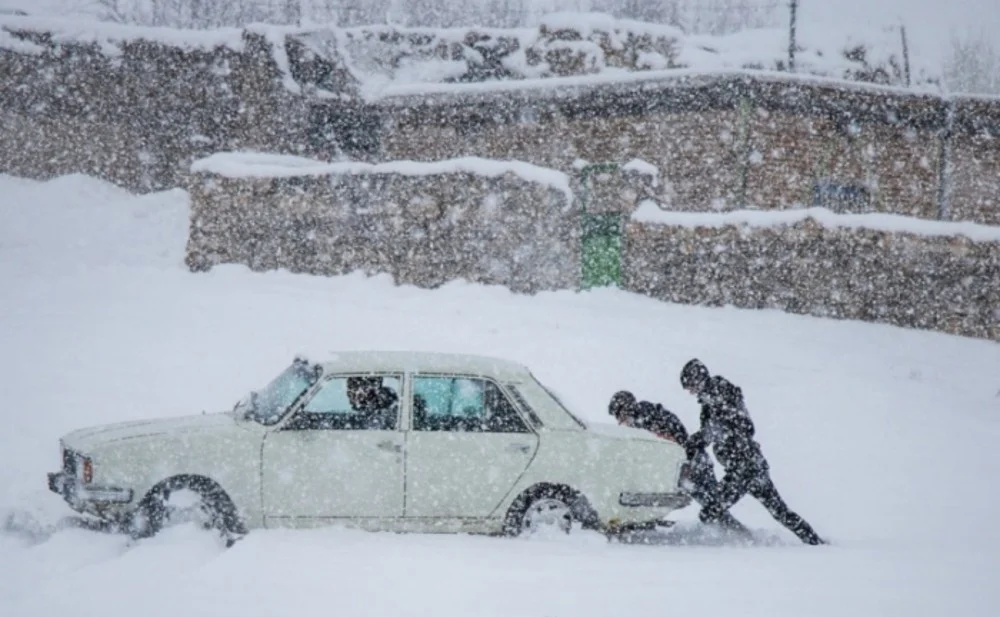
x=88 y=471
x=685 y=476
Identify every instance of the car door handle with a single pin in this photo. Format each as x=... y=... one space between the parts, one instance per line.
x=519 y=447
x=389 y=446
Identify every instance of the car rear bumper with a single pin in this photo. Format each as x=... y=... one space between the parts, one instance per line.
x=673 y=501
x=79 y=496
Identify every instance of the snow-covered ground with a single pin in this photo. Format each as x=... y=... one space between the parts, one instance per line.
x=885 y=439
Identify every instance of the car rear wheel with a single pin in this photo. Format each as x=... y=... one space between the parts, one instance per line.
x=549 y=506
x=547 y=513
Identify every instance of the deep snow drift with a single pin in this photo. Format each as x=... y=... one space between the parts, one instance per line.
x=883 y=438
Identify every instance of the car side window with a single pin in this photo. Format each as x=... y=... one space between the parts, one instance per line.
x=352 y=402
x=462 y=404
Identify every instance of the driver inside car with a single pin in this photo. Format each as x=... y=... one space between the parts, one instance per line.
x=376 y=405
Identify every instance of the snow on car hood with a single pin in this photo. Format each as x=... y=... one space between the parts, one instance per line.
x=89 y=438
x=617 y=431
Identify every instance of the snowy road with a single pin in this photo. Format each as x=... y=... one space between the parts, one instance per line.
x=885 y=439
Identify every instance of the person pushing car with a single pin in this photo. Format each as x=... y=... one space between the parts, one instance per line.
x=727 y=427
x=701 y=482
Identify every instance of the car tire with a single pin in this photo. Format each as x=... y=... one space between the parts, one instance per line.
x=547 y=505
x=182 y=500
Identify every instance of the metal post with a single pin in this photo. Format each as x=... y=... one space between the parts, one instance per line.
x=906 y=54
x=944 y=163
x=793 y=6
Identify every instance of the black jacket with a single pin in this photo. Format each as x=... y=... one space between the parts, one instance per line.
x=657 y=419
x=727 y=427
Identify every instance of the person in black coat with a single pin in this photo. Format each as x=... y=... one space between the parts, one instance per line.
x=701 y=483
x=376 y=405
x=727 y=427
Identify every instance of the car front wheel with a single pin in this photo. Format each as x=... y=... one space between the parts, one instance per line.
x=185 y=501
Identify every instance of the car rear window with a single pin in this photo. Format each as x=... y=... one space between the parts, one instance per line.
x=562 y=405
x=523 y=404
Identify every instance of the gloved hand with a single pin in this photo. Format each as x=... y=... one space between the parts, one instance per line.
x=694 y=445
x=711 y=513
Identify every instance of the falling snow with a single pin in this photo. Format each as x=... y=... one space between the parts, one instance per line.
x=281 y=278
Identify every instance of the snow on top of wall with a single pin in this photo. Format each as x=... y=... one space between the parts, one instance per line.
x=588 y=24
x=642 y=167
x=652 y=80
x=264 y=165
x=106 y=34
x=649 y=212
x=7 y=41
x=109 y=36
x=381 y=56
x=275 y=36
x=819 y=52
x=389 y=60
x=867 y=54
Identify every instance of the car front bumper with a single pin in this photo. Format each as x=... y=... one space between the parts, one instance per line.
x=84 y=498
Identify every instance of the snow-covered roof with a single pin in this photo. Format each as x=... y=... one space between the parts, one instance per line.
x=649 y=212
x=424 y=362
x=262 y=165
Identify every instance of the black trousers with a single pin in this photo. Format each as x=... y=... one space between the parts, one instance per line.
x=757 y=482
x=705 y=490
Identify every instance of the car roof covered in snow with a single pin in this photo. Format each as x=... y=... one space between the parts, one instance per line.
x=425 y=362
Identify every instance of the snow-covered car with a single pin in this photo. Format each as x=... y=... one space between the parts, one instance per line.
x=398 y=441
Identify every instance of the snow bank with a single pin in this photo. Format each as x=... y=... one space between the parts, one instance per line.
x=252 y=164
x=649 y=212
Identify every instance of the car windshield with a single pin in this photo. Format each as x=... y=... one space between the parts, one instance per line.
x=267 y=405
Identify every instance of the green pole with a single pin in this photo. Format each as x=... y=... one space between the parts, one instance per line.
x=600 y=237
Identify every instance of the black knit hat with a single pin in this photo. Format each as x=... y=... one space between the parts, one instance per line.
x=694 y=374
x=622 y=403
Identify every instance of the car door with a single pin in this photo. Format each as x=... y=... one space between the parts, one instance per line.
x=339 y=455
x=466 y=447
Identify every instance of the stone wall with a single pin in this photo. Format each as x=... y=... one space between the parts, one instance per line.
x=139 y=113
x=427 y=229
x=973 y=188
x=945 y=283
x=731 y=142
x=694 y=152
x=423 y=230
x=794 y=160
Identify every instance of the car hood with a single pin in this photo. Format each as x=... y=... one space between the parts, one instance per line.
x=87 y=439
